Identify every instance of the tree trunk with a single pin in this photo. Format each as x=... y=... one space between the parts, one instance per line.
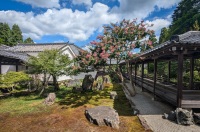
x=131 y=90
x=45 y=84
x=55 y=83
x=131 y=77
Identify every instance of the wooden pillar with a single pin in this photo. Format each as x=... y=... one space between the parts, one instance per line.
x=180 y=79
x=26 y=67
x=154 y=79
x=135 y=72
x=147 y=69
x=0 y=68
x=169 y=71
x=191 y=72
x=0 y=65
x=142 y=75
x=17 y=66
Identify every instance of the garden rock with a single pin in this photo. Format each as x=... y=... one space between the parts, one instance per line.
x=87 y=82
x=103 y=116
x=181 y=116
x=113 y=95
x=197 y=118
x=184 y=116
x=50 y=99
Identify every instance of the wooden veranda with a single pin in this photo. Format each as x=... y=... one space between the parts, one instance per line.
x=178 y=49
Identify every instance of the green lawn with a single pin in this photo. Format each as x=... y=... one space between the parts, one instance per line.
x=30 y=109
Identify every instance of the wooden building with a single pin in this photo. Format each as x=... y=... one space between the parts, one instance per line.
x=178 y=49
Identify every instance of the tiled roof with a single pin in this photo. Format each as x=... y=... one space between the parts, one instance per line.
x=15 y=55
x=36 y=47
x=43 y=46
x=191 y=37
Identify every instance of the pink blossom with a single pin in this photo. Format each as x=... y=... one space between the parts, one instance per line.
x=95 y=54
x=149 y=42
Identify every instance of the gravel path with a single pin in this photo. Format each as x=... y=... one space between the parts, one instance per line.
x=152 y=111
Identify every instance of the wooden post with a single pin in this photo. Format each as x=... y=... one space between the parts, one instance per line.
x=17 y=66
x=142 y=75
x=0 y=67
x=147 y=69
x=154 y=79
x=180 y=79
x=191 y=72
x=169 y=71
x=135 y=72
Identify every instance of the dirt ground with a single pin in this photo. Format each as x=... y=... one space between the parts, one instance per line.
x=62 y=119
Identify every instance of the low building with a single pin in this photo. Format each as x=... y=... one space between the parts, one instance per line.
x=13 y=58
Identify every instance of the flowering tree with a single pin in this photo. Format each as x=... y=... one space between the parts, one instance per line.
x=117 y=42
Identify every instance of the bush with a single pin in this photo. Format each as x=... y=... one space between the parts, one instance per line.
x=186 y=76
x=11 y=78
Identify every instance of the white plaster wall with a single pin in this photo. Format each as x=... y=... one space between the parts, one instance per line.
x=68 y=52
x=7 y=68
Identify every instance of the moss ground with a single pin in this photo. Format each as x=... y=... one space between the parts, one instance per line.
x=27 y=113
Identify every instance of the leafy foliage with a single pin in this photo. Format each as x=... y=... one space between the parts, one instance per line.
x=28 y=41
x=11 y=78
x=13 y=36
x=51 y=62
x=185 y=16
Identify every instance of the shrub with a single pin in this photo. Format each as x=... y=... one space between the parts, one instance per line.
x=11 y=78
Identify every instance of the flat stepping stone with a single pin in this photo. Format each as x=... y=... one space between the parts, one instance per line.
x=103 y=116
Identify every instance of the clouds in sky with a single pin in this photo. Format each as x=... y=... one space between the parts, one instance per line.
x=42 y=3
x=80 y=25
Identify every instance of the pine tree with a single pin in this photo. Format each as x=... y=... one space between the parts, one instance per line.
x=16 y=35
x=6 y=35
x=163 y=35
x=153 y=39
x=28 y=41
x=183 y=18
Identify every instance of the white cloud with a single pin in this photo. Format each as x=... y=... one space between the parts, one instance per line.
x=76 y=26
x=79 y=25
x=131 y=9
x=42 y=3
x=158 y=24
x=88 y=3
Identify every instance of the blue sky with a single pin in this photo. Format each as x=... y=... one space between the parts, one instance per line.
x=80 y=21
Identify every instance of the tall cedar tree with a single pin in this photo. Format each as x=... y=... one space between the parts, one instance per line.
x=5 y=34
x=16 y=35
x=183 y=18
x=28 y=41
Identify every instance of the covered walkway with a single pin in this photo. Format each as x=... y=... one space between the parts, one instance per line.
x=177 y=51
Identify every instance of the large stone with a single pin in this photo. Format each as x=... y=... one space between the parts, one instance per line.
x=113 y=95
x=184 y=117
x=103 y=116
x=87 y=82
x=197 y=118
x=50 y=99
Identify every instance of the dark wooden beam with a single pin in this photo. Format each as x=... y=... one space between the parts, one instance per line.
x=191 y=72
x=142 y=75
x=135 y=72
x=169 y=71
x=180 y=79
x=154 y=79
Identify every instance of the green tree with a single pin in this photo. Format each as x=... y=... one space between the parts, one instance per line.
x=51 y=62
x=5 y=34
x=28 y=41
x=117 y=42
x=183 y=18
x=16 y=35
x=164 y=34
x=196 y=26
